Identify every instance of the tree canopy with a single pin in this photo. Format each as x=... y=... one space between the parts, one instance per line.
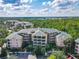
x=57 y=55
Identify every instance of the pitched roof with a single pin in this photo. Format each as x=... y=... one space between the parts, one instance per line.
x=64 y=35
x=77 y=40
x=46 y=30
x=14 y=35
x=26 y=23
x=39 y=33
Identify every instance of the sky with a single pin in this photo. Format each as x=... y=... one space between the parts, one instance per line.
x=39 y=8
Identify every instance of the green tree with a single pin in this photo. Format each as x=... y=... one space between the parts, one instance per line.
x=29 y=48
x=52 y=57
x=38 y=50
x=3 y=53
x=43 y=50
x=67 y=47
x=59 y=55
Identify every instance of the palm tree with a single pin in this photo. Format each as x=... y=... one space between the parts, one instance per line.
x=43 y=50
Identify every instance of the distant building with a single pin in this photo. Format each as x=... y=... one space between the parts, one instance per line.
x=12 y=24
x=38 y=36
x=24 y=24
x=77 y=46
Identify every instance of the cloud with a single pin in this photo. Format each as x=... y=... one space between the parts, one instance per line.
x=9 y=6
x=1 y=1
x=25 y=1
x=46 y=3
x=30 y=1
x=49 y=8
x=59 y=8
x=43 y=12
x=73 y=1
x=63 y=3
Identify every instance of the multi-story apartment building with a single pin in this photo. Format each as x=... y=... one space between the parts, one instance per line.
x=14 y=40
x=38 y=36
x=12 y=24
x=50 y=33
x=52 y=37
x=77 y=46
x=26 y=39
x=60 y=39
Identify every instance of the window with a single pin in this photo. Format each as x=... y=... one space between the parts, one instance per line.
x=8 y=45
x=43 y=43
x=34 y=36
x=39 y=42
x=8 y=42
x=35 y=39
x=77 y=43
x=43 y=40
x=35 y=42
x=38 y=36
x=76 y=46
x=43 y=37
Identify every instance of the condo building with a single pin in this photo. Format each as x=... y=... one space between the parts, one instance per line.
x=61 y=38
x=14 y=41
x=39 y=38
x=77 y=46
x=36 y=36
x=12 y=24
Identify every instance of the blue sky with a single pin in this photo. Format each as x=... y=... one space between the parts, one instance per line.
x=10 y=1
x=26 y=8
